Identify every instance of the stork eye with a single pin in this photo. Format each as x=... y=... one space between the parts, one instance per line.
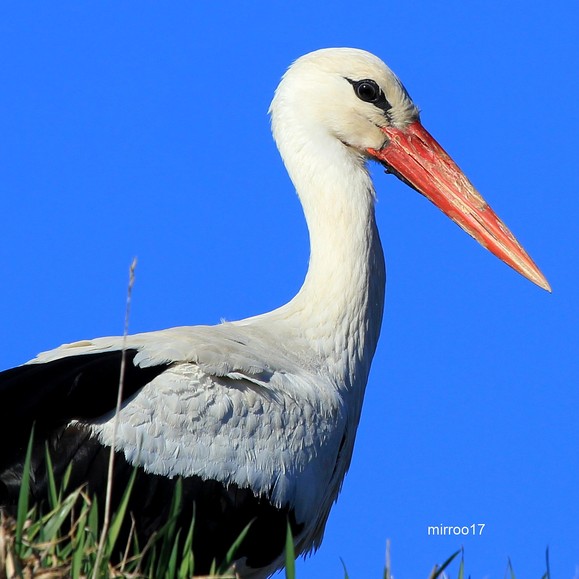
x=367 y=90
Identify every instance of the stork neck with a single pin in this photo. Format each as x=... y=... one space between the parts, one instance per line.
x=340 y=304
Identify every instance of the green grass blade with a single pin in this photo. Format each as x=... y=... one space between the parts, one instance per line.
x=510 y=569
x=438 y=571
x=167 y=536
x=225 y=565
x=66 y=478
x=387 y=566
x=80 y=542
x=290 y=554
x=346 y=576
x=93 y=522
x=213 y=569
x=461 y=567
x=547 y=574
x=24 y=494
x=52 y=492
x=119 y=516
x=52 y=522
x=171 y=572
x=187 y=567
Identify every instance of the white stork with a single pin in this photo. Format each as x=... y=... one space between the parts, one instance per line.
x=257 y=416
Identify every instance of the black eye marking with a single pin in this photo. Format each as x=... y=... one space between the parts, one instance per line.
x=368 y=91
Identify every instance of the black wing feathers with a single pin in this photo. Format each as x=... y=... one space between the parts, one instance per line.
x=51 y=394
x=75 y=387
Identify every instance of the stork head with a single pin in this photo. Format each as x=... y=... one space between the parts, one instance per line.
x=352 y=96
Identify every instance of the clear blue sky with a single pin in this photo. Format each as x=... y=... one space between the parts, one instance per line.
x=140 y=129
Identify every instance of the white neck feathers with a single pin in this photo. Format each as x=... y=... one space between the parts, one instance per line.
x=340 y=304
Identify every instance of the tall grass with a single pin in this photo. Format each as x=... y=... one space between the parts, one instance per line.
x=67 y=541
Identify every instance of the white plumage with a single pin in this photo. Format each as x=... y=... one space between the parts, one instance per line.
x=271 y=403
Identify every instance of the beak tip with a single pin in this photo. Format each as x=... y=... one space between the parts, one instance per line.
x=546 y=286
x=539 y=279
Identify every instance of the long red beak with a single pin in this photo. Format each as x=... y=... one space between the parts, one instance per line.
x=414 y=156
